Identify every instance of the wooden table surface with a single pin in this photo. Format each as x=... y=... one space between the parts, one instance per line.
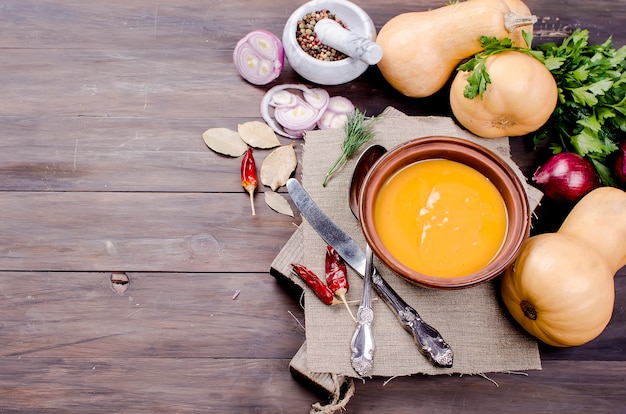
x=103 y=171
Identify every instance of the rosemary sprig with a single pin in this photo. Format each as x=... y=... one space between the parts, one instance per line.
x=358 y=130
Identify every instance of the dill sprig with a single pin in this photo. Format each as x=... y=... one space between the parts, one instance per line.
x=358 y=130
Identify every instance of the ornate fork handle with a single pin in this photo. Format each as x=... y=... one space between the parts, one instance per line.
x=362 y=344
x=429 y=341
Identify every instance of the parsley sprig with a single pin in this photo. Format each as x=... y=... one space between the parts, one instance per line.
x=590 y=116
x=479 y=78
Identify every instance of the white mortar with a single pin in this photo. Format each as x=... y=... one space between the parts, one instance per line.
x=323 y=72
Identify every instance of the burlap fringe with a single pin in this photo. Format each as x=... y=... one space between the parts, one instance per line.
x=338 y=401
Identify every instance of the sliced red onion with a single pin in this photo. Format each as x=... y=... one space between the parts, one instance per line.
x=331 y=120
x=283 y=98
x=336 y=113
x=265 y=108
x=620 y=163
x=340 y=105
x=567 y=177
x=294 y=115
x=288 y=130
x=296 y=133
x=301 y=117
x=259 y=57
x=318 y=98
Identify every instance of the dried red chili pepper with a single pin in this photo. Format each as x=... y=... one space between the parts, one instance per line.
x=318 y=287
x=337 y=276
x=248 y=176
x=336 y=272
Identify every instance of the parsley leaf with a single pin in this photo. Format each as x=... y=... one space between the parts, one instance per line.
x=590 y=118
x=479 y=79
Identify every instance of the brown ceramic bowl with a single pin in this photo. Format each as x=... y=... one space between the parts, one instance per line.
x=473 y=155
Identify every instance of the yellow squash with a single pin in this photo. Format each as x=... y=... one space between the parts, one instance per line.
x=560 y=289
x=421 y=50
x=519 y=100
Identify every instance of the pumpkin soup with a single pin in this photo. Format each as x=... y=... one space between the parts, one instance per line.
x=441 y=218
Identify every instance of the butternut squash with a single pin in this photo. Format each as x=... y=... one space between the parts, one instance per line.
x=422 y=49
x=560 y=288
x=519 y=100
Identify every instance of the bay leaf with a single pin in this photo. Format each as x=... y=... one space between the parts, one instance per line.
x=278 y=203
x=278 y=166
x=224 y=141
x=258 y=134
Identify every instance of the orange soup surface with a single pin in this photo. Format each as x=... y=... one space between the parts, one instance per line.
x=441 y=218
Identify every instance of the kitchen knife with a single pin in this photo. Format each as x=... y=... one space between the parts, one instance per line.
x=429 y=341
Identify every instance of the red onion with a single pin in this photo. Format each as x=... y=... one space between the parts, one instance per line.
x=259 y=57
x=293 y=115
x=331 y=120
x=340 y=105
x=318 y=98
x=282 y=99
x=336 y=113
x=297 y=133
x=620 y=163
x=567 y=177
x=301 y=117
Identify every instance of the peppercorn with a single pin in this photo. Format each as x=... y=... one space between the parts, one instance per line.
x=310 y=43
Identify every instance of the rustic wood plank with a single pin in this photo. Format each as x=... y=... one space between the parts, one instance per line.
x=138 y=24
x=119 y=384
x=171 y=315
x=179 y=73
x=132 y=154
x=157 y=232
x=122 y=154
x=146 y=24
x=562 y=387
x=150 y=385
x=186 y=83
x=109 y=83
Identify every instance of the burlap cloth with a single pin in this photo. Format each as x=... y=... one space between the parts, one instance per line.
x=471 y=320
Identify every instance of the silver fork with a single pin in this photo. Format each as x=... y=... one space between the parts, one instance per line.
x=362 y=344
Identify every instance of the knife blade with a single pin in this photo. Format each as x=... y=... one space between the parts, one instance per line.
x=428 y=340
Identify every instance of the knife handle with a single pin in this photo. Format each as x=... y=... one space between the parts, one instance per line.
x=429 y=341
